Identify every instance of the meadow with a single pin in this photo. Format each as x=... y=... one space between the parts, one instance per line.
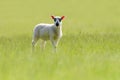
x=88 y=50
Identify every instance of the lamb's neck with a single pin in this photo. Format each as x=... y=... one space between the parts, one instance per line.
x=58 y=30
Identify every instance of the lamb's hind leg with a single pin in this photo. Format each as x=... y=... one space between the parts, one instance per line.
x=34 y=41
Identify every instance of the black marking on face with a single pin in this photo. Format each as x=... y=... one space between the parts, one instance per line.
x=59 y=19
x=56 y=19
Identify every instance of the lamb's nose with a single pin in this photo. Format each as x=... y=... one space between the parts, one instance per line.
x=57 y=24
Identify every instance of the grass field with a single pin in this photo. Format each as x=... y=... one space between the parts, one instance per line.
x=88 y=50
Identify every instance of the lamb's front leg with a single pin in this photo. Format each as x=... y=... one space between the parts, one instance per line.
x=54 y=43
x=43 y=44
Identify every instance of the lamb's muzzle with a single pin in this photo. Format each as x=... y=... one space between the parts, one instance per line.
x=52 y=32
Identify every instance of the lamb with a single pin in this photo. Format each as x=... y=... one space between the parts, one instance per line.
x=52 y=32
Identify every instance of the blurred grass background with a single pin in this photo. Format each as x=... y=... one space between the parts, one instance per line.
x=81 y=15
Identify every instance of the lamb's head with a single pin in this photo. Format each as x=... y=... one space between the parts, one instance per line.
x=57 y=20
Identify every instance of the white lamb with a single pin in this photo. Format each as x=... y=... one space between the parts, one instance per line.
x=52 y=32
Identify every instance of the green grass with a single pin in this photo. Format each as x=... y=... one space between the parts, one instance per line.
x=88 y=50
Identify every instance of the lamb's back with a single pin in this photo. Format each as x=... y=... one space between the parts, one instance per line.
x=43 y=30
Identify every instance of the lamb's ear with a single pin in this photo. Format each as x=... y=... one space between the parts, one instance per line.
x=62 y=17
x=52 y=17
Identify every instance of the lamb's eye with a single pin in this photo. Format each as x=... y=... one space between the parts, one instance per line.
x=60 y=20
x=54 y=19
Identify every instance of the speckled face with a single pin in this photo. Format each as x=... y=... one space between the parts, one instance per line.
x=57 y=20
